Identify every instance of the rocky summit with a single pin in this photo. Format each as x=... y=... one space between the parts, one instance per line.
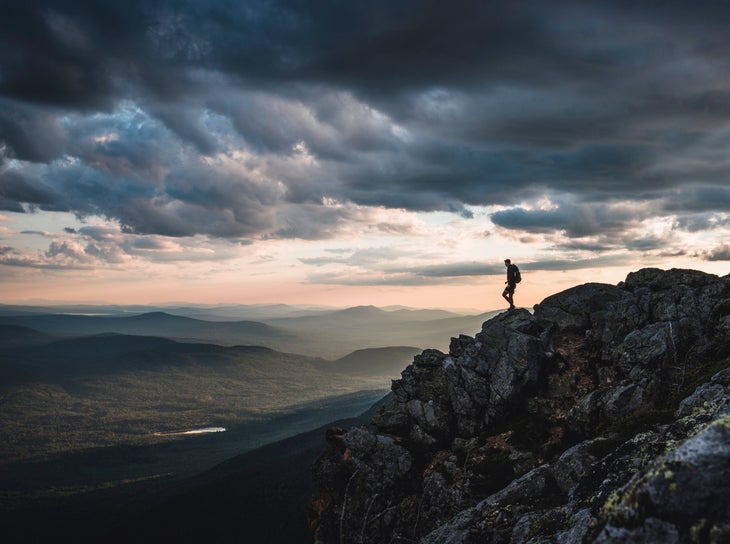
x=602 y=416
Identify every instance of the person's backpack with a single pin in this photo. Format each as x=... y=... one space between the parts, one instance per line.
x=517 y=276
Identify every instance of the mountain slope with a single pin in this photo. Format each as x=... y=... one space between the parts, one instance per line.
x=17 y=335
x=604 y=417
x=387 y=361
x=270 y=486
x=119 y=389
x=258 y=496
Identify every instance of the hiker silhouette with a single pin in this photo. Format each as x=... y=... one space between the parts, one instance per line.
x=512 y=275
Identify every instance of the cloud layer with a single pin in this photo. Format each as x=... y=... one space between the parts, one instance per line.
x=579 y=124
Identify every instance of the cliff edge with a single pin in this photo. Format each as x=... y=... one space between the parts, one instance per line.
x=603 y=416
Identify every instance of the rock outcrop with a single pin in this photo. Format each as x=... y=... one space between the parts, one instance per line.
x=602 y=416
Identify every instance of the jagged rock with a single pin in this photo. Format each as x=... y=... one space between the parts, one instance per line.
x=458 y=345
x=579 y=308
x=573 y=465
x=712 y=397
x=596 y=419
x=685 y=497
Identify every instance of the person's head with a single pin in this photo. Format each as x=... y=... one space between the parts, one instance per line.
x=507 y=262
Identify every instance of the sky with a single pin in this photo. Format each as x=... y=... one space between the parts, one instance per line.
x=385 y=152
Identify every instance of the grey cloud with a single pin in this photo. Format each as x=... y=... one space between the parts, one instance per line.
x=310 y=222
x=434 y=108
x=372 y=279
x=96 y=233
x=104 y=253
x=593 y=244
x=187 y=125
x=673 y=253
x=487 y=269
x=148 y=243
x=575 y=264
x=381 y=258
x=459 y=269
x=17 y=189
x=395 y=228
x=702 y=221
x=720 y=253
x=575 y=221
x=40 y=64
x=45 y=264
x=64 y=249
x=322 y=261
x=647 y=243
x=699 y=199
x=30 y=134
x=130 y=144
x=455 y=272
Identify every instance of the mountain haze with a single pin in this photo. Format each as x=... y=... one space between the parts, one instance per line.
x=152 y=324
x=326 y=334
x=376 y=361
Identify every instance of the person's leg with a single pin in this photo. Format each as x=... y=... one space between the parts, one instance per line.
x=507 y=295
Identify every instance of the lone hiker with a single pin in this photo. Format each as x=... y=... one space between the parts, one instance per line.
x=513 y=278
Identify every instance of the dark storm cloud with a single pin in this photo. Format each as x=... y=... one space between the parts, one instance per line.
x=720 y=253
x=112 y=108
x=16 y=189
x=699 y=199
x=186 y=124
x=30 y=134
x=700 y=222
x=575 y=220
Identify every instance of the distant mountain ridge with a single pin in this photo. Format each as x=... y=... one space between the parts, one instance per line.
x=18 y=335
x=212 y=312
x=327 y=334
x=151 y=324
x=113 y=353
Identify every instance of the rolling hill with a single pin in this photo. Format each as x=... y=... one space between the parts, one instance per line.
x=114 y=389
x=330 y=335
x=388 y=361
x=12 y=336
x=155 y=324
x=335 y=334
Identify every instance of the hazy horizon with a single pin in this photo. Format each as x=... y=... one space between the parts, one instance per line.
x=220 y=305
